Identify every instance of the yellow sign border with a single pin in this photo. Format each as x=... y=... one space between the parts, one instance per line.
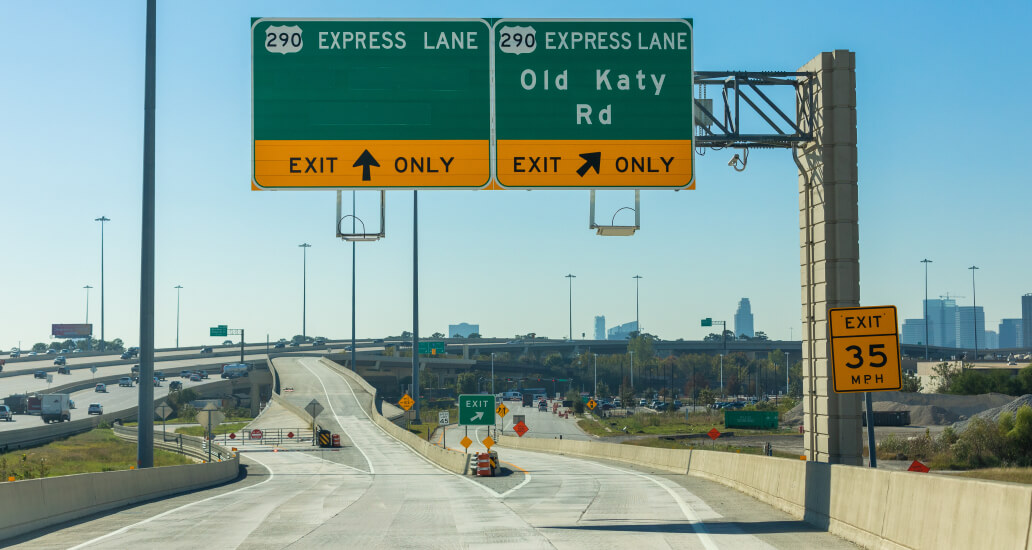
x=895 y=349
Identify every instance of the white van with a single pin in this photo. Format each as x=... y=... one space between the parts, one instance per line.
x=512 y=396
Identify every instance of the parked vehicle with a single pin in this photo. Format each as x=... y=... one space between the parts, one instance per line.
x=6 y=413
x=55 y=407
x=95 y=408
x=125 y=381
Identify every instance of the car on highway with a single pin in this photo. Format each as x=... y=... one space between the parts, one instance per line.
x=64 y=352
x=125 y=381
x=202 y=373
x=347 y=348
x=319 y=342
x=126 y=355
x=185 y=374
x=15 y=354
x=157 y=383
x=295 y=344
x=6 y=414
x=76 y=350
x=60 y=360
x=207 y=349
x=136 y=368
x=64 y=369
x=159 y=375
x=175 y=385
x=195 y=377
x=51 y=351
x=39 y=374
x=33 y=353
x=542 y=405
x=95 y=408
x=133 y=351
x=227 y=342
x=100 y=388
x=280 y=345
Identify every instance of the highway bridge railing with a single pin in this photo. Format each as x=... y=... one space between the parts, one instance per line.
x=188 y=445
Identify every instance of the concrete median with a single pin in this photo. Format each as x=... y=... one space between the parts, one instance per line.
x=41 y=503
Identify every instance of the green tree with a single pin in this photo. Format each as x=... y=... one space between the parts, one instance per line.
x=474 y=335
x=707 y=397
x=602 y=390
x=627 y=394
x=760 y=335
x=644 y=353
x=406 y=335
x=945 y=373
x=911 y=382
x=554 y=361
x=437 y=335
x=466 y=383
x=39 y=347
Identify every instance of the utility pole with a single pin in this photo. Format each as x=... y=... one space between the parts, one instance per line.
x=974 y=310
x=102 y=219
x=88 y=338
x=178 y=288
x=571 y=278
x=926 y=261
x=415 y=304
x=304 y=289
x=145 y=408
x=637 y=320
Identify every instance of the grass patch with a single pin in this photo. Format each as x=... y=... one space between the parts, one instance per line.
x=224 y=428
x=429 y=418
x=1013 y=475
x=667 y=423
x=99 y=450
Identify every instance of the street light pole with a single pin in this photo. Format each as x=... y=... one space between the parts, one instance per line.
x=571 y=278
x=102 y=219
x=87 y=287
x=178 y=288
x=492 y=373
x=631 y=352
x=974 y=310
x=926 y=261
x=304 y=289
x=594 y=391
x=637 y=320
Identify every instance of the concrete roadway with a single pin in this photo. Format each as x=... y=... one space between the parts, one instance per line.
x=395 y=499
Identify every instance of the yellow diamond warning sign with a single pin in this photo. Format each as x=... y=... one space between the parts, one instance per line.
x=406 y=402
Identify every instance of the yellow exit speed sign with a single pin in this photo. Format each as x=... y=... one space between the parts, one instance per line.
x=864 y=349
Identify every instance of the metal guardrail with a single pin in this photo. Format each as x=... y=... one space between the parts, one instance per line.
x=188 y=445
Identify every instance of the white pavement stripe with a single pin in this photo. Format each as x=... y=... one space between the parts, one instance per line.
x=329 y=402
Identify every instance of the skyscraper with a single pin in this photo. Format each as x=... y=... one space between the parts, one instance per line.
x=1011 y=333
x=600 y=327
x=744 y=319
x=1026 y=320
x=913 y=331
x=965 y=331
x=942 y=323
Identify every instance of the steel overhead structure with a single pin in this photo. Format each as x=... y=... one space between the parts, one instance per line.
x=738 y=86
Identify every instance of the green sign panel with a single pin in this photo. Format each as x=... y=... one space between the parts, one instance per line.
x=751 y=419
x=221 y=330
x=476 y=410
x=594 y=103
x=707 y=322
x=431 y=348
x=375 y=103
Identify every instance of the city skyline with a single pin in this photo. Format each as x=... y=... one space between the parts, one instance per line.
x=234 y=251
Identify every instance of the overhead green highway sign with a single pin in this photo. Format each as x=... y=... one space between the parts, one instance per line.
x=431 y=348
x=370 y=103
x=221 y=330
x=476 y=410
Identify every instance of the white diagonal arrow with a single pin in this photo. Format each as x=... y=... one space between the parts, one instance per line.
x=478 y=416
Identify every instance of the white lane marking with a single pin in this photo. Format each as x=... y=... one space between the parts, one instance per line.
x=686 y=509
x=174 y=510
x=332 y=410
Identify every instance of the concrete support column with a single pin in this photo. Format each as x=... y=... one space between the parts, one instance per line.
x=829 y=253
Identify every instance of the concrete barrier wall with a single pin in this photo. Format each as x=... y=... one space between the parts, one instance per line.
x=873 y=508
x=452 y=461
x=50 y=501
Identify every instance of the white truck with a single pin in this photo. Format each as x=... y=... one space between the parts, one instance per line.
x=55 y=407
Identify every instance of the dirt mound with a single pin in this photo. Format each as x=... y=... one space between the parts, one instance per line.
x=994 y=413
x=926 y=409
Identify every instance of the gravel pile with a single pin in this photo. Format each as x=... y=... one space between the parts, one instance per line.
x=994 y=413
x=926 y=409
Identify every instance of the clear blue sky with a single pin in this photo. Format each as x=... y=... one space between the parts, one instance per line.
x=940 y=92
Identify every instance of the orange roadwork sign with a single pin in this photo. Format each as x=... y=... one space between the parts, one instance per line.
x=864 y=349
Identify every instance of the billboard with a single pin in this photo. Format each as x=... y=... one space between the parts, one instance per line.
x=71 y=331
